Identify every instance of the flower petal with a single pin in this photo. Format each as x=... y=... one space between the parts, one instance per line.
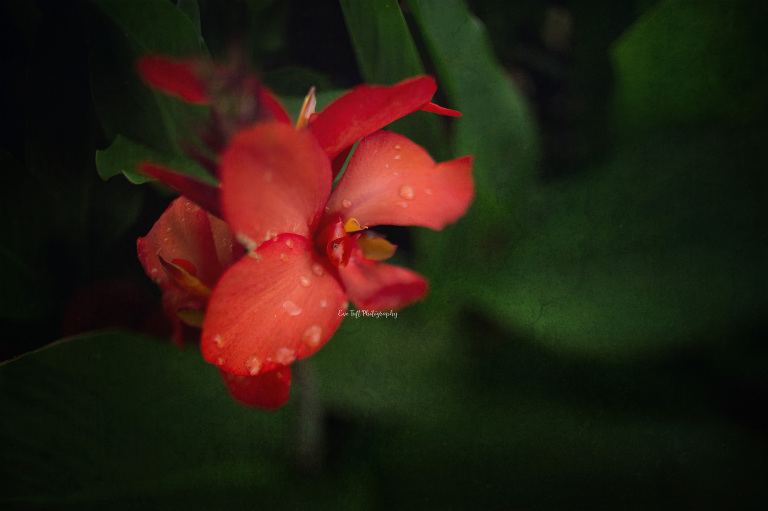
x=267 y=390
x=390 y=180
x=376 y=286
x=185 y=232
x=176 y=77
x=366 y=109
x=281 y=302
x=202 y=193
x=274 y=180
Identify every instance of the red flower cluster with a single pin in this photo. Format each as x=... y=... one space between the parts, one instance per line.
x=265 y=262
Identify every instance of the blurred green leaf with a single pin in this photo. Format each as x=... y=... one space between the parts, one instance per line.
x=124 y=155
x=192 y=11
x=689 y=61
x=662 y=243
x=120 y=33
x=116 y=418
x=497 y=126
x=383 y=44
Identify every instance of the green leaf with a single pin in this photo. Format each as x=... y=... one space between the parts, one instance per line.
x=124 y=155
x=657 y=246
x=113 y=417
x=192 y=11
x=383 y=45
x=120 y=33
x=497 y=126
x=690 y=61
x=386 y=54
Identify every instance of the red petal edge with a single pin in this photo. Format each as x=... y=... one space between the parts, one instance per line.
x=207 y=196
x=366 y=109
x=176 y=77
x=375 y=286
x=268 y=390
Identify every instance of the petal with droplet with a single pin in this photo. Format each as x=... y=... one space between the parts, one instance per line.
x=248 y=310
x=386 y=183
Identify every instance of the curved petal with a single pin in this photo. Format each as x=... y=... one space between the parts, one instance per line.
x=274 y=180
x=277 y=304
x=267 y=390
x=187 y=232
x=393 y=181
x=187 y=236
x=381 y=287
x=202 y=193
x=366 y=109
x=175 y=77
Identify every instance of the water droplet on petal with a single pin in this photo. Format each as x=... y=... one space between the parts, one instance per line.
x=397 y=156
x=154 y=270
x=253 y=365
x=406 y=192
x=346 y=203
x=285 y=356
x=219 y=341
x=289 y=242
x=220 y=361
x=317 y=269
x=397 y=146
x=312 y=336
x=323 y=303
x=284 y=257
x=305 y=282
x=291 y=308
x=169 y=229
x=428 y=191
x=401 y=204
x=386 y=165
x=165 y=239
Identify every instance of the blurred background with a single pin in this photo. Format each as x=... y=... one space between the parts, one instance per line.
x=593 y=338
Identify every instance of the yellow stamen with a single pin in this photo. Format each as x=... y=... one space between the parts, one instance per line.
x=184 y=280
x=307 y=109
x=376 y=248
x=191 y=317
x=353 y=225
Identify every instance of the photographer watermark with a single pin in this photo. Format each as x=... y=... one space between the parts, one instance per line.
x=363 y=313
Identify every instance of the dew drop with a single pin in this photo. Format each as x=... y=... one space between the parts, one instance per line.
x=397 y=146
x=220 y=361
x=253 y=365
x=284 y=257
x=397 y=156
x=169 y=229
x=312 y=335
x=406 y=192
x=386 y=165
x=285 y=356
x=305 y=282
x=428 y=191
x=402 y=204
x=323 y=303
x=165 y=239
x=219 y=341
x=291 y=308
x=346 y=203
x=154 y=270
x=289 y=242
x=317 y=269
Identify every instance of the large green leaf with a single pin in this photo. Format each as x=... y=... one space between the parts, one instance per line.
x=688 y=61
x=119 y=418
x=661 y=243
x=497 y=126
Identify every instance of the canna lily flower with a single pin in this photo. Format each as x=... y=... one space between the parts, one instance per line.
x=269 y=270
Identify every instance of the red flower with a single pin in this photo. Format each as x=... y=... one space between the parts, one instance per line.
x=307 y=250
